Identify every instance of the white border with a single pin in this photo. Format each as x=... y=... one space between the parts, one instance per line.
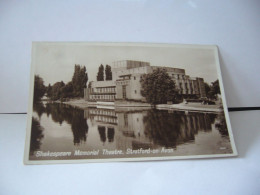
x=30 y=104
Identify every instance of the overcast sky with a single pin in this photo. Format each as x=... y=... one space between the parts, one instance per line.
x=55 y=61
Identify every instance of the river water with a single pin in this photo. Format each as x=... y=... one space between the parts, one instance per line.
x=95 y=133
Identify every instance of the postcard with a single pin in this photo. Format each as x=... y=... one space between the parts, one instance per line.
x=101 y=102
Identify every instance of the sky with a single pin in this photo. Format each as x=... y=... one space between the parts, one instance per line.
x=55 y=61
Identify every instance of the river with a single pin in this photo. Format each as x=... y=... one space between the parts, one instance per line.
x=125 y=133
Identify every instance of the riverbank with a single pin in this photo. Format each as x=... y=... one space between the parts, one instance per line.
x=196 y=107
x=190 y=107
x=80 y=103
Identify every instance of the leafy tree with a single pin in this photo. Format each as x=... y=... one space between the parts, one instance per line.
x=74 y=88
x=79 y=80
x=39 y=88
x=90 y=84
x=67 y=90
x=207 y=88
x=213 y=90
x=215 y=87
x=48 y=91
x=56 y=90
x=158 y=87
x=100 y=74
x=108 y=73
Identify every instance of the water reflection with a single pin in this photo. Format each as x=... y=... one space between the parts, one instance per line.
x=110 y=134
x=221 y=124
x=36 y=135
x=123 y=128
x=102 y=133
x=73 y=116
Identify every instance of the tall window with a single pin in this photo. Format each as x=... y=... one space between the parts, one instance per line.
x=124 y=91
x=126 y=119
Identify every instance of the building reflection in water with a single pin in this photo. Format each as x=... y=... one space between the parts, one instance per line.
x=122 y=128
x=148 y=128
x=110 y=134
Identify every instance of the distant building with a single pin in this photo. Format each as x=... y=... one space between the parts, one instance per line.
x=125 y=84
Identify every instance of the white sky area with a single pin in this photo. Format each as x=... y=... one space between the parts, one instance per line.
x=55 y=61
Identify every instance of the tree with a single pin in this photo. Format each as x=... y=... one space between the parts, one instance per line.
x=215 y=87
x=108 y=73
x=79 y=80
x=90 y=84
x=67 y=90
x=207 y=89
x=100 y=74
x=74 y=88
x=56 y=90
x=39 y=88
x=158 y=87
x=48 y=91
x=213 y=90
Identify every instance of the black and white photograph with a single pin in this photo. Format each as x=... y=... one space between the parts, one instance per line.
x=98 y=102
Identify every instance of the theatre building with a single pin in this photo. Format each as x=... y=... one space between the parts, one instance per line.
x=125 y=83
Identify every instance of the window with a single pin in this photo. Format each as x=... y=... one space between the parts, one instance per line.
x=126 y=120
x=135 y=91
x=124 y=91
x=134 y=78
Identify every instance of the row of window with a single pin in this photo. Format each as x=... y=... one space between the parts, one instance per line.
x=106 y=119
x=182 y=91
x=178 y=76
x=105 y=89
x=123 y=82
x=103 y=112
x=102 y=97
x=186 y=86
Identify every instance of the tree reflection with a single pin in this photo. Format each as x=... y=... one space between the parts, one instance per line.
x=57 y=112
x=169 y=129
x=162 y=128
x=39 y=108
x=73 y=116
x=221 y=124
x=36 y=136
x=79 y=126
